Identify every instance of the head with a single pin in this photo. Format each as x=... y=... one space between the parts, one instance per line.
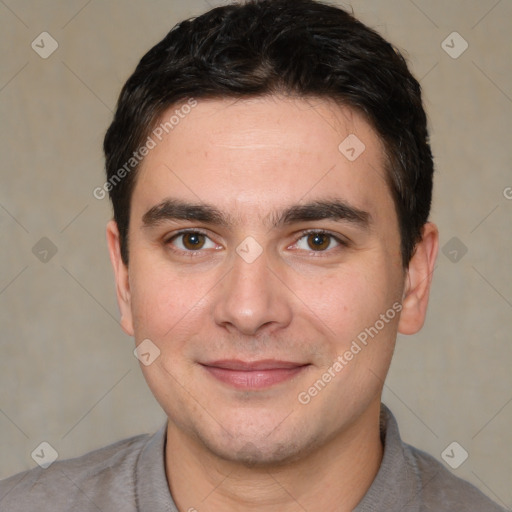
x=296 y=48
x=290 y=141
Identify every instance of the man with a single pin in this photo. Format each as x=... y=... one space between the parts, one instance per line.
x=271 y=178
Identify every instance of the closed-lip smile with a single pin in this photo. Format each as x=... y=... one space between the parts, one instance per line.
x=253 y=374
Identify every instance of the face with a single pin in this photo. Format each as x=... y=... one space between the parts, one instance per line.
x=265 y=268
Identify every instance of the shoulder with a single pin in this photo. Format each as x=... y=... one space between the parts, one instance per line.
x=99 y=478
x=442 y=490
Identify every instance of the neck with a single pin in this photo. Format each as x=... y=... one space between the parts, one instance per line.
x=336 y=476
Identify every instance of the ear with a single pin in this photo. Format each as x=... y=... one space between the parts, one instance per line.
x=121 y=277
x=418 y=281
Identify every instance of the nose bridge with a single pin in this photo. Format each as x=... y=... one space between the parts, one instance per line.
x=251 y=277
x=251 y=296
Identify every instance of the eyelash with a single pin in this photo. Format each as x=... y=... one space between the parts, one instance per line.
x=342 y=242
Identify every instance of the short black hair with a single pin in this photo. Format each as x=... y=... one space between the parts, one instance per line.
x=303 y=48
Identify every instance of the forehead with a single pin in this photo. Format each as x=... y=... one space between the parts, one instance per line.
x=250 y=156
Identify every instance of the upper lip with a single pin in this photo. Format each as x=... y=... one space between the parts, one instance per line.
x=247 y=366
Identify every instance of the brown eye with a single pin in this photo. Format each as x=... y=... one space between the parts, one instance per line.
x=318 y=241
x=193 y=241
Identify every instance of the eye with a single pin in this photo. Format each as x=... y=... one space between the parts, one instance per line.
x=191 y=241
x=318 y=241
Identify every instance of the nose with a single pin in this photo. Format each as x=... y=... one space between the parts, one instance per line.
x=252 y=298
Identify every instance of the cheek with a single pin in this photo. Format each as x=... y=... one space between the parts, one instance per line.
x=159 y=300
x=346 y=300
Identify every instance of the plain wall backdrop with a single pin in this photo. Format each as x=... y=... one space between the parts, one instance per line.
x=68 y=375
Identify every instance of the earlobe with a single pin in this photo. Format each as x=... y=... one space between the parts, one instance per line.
x=121 y=277
x=418 y=281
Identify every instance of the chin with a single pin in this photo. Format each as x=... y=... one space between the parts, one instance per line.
x=258 y=449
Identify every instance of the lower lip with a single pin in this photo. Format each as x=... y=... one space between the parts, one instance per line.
x=254 y=379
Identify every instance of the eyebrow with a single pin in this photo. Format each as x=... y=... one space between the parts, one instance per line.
x=336 y=209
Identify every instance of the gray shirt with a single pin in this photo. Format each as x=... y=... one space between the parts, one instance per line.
x=130 y=476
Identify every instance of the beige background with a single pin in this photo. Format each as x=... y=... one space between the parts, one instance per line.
x=67 y=372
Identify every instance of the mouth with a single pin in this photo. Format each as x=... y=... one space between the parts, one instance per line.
x=253 y=375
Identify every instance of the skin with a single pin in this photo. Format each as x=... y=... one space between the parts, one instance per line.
x=261 y=449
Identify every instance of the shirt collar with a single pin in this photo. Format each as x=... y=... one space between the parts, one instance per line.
x=152 y=489
x=396 y=486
